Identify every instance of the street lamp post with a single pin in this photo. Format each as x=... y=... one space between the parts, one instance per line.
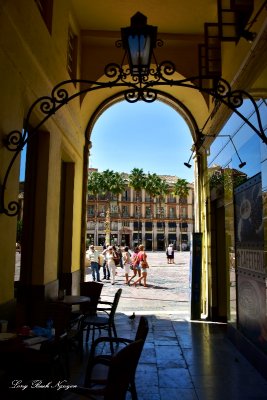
x=138 y=219
x=107 y=228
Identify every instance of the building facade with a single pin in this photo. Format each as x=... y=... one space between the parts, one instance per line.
x=132 y=219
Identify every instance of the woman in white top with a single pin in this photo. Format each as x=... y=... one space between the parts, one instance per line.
x=126 y=259
x=170 y=254
x=111 y=263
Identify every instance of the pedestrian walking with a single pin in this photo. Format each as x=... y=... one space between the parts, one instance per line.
x=117 y=256
x=119 y=252
x=142 y=256
x=126 y=259
x=94 y=258
x=111 y=256
x=135 y=265
x=106 y=272
x=170 y=254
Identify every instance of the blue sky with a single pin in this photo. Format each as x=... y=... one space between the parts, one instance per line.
x=152 y=136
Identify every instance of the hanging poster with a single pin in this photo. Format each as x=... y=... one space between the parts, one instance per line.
x=251 y=289
x=195 y=275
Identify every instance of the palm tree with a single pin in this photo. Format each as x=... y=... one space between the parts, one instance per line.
x=112 y=183
x=117 y=187
x=137 y=180
x=181 y=189
x=163 y=192
x=94 y=187
x=152 y=186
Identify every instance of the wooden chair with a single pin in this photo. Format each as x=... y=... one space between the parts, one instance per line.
x=97 y=377
x=92 y=290
x=118 y=374
x=104 y=319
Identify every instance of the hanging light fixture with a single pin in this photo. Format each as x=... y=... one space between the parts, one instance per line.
x=187 y=164
x=138 y=82
x=139 y=40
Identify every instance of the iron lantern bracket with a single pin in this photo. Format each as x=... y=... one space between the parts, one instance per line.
x=135 y=88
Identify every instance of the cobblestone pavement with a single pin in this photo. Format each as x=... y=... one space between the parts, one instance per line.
x=168 y=287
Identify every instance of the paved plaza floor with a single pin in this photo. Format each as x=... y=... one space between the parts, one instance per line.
x=182 y=359
x=168 y=287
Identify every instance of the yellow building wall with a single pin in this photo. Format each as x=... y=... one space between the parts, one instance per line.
x=31 y=62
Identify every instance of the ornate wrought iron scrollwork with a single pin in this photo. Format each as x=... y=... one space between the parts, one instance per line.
x=140 y=87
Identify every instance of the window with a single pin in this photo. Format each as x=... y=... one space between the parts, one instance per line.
x=148 y=212
x=46 y=9
x=90 y=225
x=91 y=211
x=160 y=212
x=171 y=198
x=126 y=196
x=136 y=225
x=125 y=211
x=101 y=226
x=114 y=226
x=183 y=200
x=148 y=226
x=102 y=211
x=72 y=54
x=172 y=212
x=160 y=226
x=172 y=226
x=183 y=212
x=137 y=211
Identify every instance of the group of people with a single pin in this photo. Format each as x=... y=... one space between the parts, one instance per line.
x=114 y=257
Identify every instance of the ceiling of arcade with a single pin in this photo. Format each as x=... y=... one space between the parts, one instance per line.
x=180 y=25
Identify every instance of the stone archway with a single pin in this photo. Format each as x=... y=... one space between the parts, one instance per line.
x=166 y=98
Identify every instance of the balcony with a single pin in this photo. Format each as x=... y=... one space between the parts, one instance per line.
x=125 y=215
x=101 y=227
x=115 y=215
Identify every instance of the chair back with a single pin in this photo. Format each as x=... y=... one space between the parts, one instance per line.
x=121 y=369
x=92 y=290
x=142 y=329
x=115 y=304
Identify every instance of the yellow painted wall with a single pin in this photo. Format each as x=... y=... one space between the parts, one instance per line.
x=31 y=62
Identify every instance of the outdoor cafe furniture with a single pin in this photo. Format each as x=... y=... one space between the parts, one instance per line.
x=103 y=320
